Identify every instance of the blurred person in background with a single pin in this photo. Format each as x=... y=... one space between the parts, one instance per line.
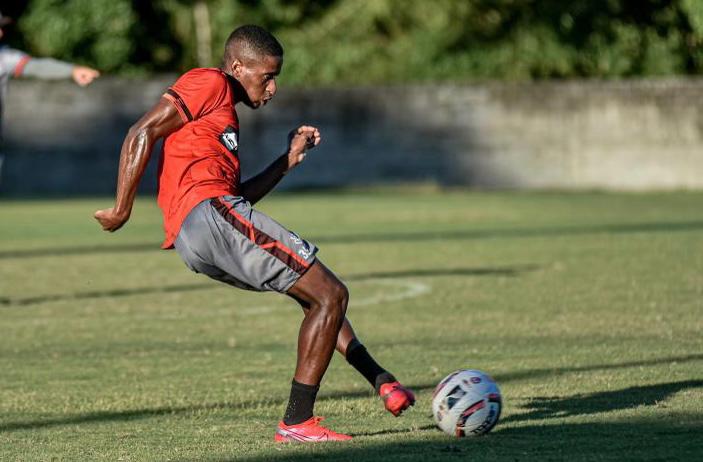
x=16 y=63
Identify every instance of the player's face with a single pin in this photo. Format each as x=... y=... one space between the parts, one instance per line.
x=258 y=78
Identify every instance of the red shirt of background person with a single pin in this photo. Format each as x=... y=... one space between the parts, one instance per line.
x=201 y=158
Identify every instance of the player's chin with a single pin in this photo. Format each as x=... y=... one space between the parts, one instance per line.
x=255 y=104
x=258 y=103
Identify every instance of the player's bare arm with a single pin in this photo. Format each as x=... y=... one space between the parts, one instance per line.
x=138 y=145
x=299 y=141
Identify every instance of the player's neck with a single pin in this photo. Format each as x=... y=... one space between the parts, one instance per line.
x=239 y=93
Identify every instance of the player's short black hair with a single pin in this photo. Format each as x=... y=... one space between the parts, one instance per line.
x=255 y=39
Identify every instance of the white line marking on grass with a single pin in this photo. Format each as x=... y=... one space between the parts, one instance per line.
x=406 y=289
x=409 y=289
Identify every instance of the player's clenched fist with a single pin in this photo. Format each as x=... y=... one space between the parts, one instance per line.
x=84 y=75
x=299 y=140
x=110 y=220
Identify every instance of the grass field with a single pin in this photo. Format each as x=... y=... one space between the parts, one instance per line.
x=586 y=308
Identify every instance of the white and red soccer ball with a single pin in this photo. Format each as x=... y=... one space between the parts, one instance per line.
x=466 y=403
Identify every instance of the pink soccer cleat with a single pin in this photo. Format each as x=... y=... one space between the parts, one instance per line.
x=309 y=431
x=396 y=397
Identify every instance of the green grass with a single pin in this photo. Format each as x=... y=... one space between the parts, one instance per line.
x=586 y=308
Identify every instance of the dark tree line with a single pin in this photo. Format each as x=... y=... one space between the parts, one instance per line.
x=370 y=41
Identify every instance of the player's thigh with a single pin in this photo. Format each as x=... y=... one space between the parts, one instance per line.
x=254 y=251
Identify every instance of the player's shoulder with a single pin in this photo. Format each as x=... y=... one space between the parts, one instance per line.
x=209 y=75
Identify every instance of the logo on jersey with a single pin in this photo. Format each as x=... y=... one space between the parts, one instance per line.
x=230 y=139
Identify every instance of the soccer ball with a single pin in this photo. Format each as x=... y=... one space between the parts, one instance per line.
x=466 y=403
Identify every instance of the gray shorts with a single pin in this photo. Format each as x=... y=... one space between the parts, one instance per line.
x=226 y=239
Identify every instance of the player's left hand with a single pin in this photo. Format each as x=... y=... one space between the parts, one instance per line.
x=84 y=75
x=299 y=141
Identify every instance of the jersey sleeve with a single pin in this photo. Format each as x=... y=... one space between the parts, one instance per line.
x=47 y=68
x=12 y=61
x=197 y=93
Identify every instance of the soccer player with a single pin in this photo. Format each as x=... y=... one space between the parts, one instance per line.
x=209 y=219
x=15 y=63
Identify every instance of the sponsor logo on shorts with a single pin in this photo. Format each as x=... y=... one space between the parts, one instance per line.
x=295 y=238
x=304 y=249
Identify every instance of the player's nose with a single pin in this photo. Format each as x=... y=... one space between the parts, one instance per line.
x=272 y=87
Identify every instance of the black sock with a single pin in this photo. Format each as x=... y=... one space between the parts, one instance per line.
x=362 y=361
x=300 y=403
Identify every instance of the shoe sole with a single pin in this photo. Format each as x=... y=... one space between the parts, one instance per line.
x=282 y=437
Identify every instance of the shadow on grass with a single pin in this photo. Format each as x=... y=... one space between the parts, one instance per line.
x=635 y=439
x=400 y=236
x=509 y=271
x=113 y=293
x=395 y=431
x=119 y=416
x=547 y=373
x=544 y=408
x=550 y=372
x=593 y=403
x=81 y=250
x=511 y=232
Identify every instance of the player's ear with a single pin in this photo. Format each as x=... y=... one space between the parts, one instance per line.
x=236 y=68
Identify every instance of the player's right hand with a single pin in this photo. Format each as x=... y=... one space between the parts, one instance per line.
x=299 y=141
x=110 y=220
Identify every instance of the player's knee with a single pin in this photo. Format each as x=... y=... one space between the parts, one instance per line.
x=341 y=296
x=335 y=300
x=344 y=293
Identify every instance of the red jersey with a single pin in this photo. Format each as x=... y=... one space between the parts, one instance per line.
x=199 y=160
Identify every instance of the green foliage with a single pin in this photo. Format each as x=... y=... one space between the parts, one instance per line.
x=375 y=41
x=92 y=31
x=693 y=11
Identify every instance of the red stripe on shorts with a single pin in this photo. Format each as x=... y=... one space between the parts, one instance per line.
x=258 y=237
